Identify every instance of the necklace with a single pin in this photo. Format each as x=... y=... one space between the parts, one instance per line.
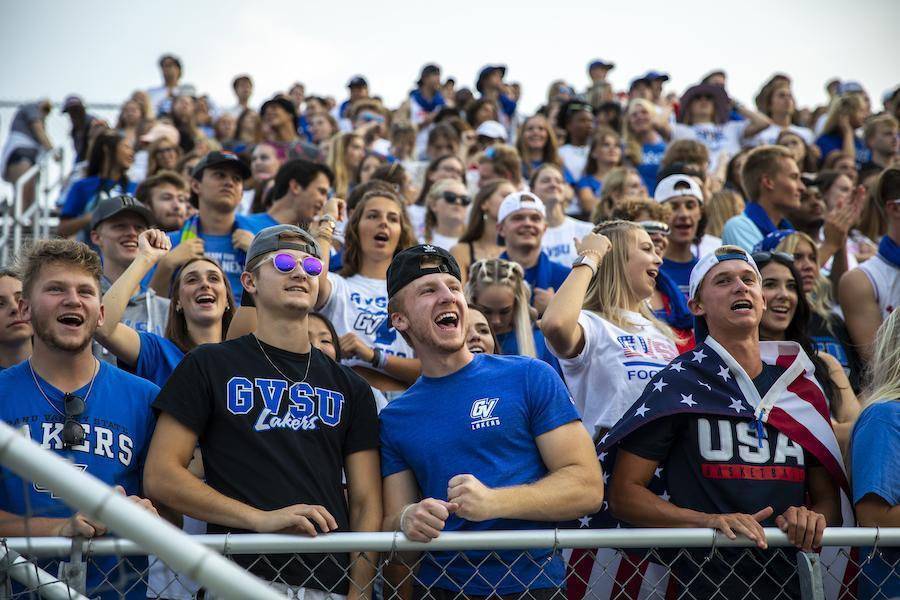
x=50 y=402
x=274 y=366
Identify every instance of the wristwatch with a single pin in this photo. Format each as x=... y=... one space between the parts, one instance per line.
x=588 y=260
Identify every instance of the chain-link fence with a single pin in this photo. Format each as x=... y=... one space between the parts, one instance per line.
x=621 y=564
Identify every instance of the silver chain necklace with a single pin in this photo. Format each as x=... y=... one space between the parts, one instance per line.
x=49 y=401
x=274 y=366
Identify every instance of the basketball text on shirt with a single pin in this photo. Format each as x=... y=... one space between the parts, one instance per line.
x=307 y=406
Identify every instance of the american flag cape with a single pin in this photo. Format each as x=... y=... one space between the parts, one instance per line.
x=707 y=380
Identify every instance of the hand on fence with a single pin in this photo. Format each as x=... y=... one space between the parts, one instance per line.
x=79 y=525
x=748 y=525
x=803 y=527
x=297 y=518
x=424 y=521
x=475 y=499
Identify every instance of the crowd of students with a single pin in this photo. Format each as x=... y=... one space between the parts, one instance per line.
x=320 y=317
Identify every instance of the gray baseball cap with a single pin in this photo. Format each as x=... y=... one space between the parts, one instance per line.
x=281 y=237
x=110 y=207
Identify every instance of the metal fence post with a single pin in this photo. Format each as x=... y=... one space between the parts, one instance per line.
x=809 y=571
x=74 y=572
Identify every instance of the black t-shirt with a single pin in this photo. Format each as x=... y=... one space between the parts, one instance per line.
x=714 y=464
x=836 y=342
x=271 y=443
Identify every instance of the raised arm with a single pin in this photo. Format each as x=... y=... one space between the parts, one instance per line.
x=758 y=121
x=560 y=320
x=324 y=233
x=118 y=338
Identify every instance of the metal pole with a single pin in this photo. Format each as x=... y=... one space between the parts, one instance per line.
x=18 y=201
x=99 y=501
x=34 y=578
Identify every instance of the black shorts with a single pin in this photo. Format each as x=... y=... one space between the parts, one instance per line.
x=20 y=154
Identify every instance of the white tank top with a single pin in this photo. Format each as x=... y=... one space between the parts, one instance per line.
x=885 y=279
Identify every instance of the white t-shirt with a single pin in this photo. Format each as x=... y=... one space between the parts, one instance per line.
x=557 y=241
x=718 y=139
x=614 y=366
x=359 y=305
x=574 y=159
x=416 y=214
x=769 y=135
x=708 y=243
x=441 y=241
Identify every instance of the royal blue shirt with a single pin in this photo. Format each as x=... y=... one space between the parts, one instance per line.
x=157 y=358
x=260 y=220
x=509 y=346
x=830 y=142
x=86 y=192
x=651 y=157
x=221 y=248
x=875 y=461
x=481 y=420
x=680 y=273
x=590 y=182
x=117 y=422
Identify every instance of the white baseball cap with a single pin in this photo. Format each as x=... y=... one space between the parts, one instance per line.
x=492 y=129
x=520 y=201
x=665 y=189
x=708 y=261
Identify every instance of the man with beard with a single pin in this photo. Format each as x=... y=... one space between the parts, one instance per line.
x=520 y=457
x=15 y=330
x=115 y=227
x=63 y=398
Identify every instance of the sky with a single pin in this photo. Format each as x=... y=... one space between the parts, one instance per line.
x=105 y=50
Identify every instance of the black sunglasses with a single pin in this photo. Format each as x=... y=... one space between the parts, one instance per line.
x=454 y=198
x=761 y=258
x=73 y=432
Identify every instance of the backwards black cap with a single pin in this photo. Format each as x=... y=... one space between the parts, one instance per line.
x=407 y=266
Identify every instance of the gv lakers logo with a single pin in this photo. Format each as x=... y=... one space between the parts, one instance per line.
x=482 y=413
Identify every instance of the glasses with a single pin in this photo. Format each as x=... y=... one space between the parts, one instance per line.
x=454 y=198
x=73 y=432
x=286 y=263
x=766 y=257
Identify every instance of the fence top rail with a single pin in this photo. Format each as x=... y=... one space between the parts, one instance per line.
x=253 y=543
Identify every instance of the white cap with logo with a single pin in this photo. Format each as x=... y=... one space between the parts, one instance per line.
x=520 y=201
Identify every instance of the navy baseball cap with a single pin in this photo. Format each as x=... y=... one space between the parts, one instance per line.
x=219 y=158
x=109 y=208
x=407 y=266
x=655 y=75
x=600 y=63
x=485 y=72
x=358 y=81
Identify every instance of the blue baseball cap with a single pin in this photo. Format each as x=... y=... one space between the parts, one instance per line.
x=771 y=241
x=850 y=87
x=655 y=75
x=358 y=81
x=600 y=63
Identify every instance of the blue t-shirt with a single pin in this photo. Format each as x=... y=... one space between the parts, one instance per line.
x=875 y=459
x=680 y=273
x=85 y=193
x=830 y=142
x=590 y=182
x=260 y=220
x=220 y=247
x=482 y=420
x=509 y=346
x=157 y=359
x=118 y=423
x=651 y=157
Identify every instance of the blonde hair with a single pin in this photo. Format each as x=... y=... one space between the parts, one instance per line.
x=440 y=186
x=336 y=160
x=885 y=366
x=723 y=205
x=497 y=271
x=634 y=150
x=840 y=106
x=610 y=293
x=613 y=184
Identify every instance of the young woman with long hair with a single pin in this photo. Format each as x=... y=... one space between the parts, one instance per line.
x=548 y=184
x=605 y=154
x=805 y=155
x=162 y=155
x=874 y=450
x=480 y=339
x=787 y=317
x=619 y=185
x=537 y=144
x=601 y=326
x=131 y=118
x=499 y=290
x=111 y=155
x=449 y=166
x=346 y=152
x=845 y=115
x=645 y=137
x=722 y=205
x=479 y=240
x=445 y=213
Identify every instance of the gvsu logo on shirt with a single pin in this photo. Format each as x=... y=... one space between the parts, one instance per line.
x=645 y=356
x=482 y=413
x=307 y=406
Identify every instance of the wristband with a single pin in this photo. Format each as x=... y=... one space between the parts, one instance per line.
x=403 y=514
x=376 y=358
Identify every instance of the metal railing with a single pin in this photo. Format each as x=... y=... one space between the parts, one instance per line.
x=630 y=563
x=18 y=222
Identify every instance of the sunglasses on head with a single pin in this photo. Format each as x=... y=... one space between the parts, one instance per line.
x=73 y=432
x=286 y=263
x=454 y=198
x=761 y=258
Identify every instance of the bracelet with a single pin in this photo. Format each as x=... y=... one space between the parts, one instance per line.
x=403 y=514
x=376 y=357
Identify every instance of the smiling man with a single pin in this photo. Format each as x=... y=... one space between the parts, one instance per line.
x=682 y=194
x=507 y=450
x=730 y=436
x=279 y=424
x=84 y=410
x=115 y=227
